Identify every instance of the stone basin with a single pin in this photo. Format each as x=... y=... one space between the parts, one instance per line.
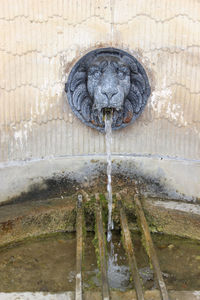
x=22 y=223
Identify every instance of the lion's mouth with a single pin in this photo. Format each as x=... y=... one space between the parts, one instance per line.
x=107 y=112
x=99 y=115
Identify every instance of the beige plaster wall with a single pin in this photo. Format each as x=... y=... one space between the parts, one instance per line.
x=41 y=39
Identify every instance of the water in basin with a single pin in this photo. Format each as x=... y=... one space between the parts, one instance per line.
x=49 y=264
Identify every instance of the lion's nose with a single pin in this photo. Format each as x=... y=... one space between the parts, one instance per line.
x=109 y=94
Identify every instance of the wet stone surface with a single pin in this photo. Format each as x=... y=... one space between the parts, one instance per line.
x=48 y=264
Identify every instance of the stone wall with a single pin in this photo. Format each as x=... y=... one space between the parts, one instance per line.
x=42 y=39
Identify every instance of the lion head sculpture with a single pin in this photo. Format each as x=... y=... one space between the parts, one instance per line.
x=107 y=79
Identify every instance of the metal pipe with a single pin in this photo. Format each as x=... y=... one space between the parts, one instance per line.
x=151 y=249
x=79 y=248
x=130 y=250
x=102 y=249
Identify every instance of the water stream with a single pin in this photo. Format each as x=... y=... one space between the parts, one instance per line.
x=108 y=130
x=116 y=272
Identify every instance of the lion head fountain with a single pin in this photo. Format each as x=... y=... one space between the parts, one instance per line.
x=107 y=79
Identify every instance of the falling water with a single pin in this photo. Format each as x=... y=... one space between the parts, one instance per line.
x=108 y=130
x=116 y=274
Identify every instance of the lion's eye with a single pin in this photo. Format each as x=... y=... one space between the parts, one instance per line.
x=121 y=74
x=96 y=74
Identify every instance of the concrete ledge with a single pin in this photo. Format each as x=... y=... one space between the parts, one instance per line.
x=32 y=219
x=173 y=217
x=130 y=295
x=35 y=218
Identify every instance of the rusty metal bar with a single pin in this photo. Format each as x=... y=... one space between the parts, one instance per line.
x=79 y=248
x=102 y=249
x=150 y=249
x=130 y=250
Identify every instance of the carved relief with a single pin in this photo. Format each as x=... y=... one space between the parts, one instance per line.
x=107 y=79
